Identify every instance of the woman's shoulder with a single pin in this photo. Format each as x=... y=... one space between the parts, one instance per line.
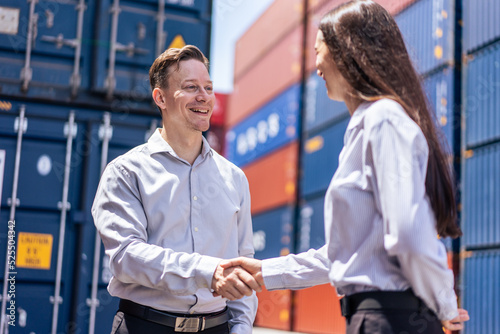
x=387 y=111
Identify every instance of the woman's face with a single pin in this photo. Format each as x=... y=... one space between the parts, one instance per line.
x=336 y=85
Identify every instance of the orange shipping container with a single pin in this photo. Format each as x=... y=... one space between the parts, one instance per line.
x=276 y=22
x=317 y=310
x=273 y=179
x=271 y=75
x=274 y=309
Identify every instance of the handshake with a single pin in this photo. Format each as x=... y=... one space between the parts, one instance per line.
x=236 y=278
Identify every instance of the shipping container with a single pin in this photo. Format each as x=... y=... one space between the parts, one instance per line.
x=219 y=112
x=321 y=157
x=274 y=309
x=311 y=224
x=317 y=310
x=481 y=291
x=216 y=137
x=273 y=232
x=266 y=130
x=93 y=52
x=273 y=74
x=482 y=96
x=277 y=21
x=320 y=110
x=428 y=30
x=53 y=158
x=273 y=179
x=481 y=197
x=440 y=93
x=481 y=24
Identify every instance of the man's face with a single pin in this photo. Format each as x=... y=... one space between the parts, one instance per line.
x=189 y=98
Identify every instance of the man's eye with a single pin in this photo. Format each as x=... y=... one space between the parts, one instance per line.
x=209 y=89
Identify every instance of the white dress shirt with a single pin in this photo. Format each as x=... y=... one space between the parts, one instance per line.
x=166 y=224
x=379 y=225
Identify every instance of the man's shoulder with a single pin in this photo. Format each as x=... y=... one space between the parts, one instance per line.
x=132 y=157
x=226 y=164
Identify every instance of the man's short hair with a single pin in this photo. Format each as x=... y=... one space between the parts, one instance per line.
x=159 y=71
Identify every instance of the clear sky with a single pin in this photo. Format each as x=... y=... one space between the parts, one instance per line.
x=230 y=19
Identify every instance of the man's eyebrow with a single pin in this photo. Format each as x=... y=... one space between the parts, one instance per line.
x=195 y=80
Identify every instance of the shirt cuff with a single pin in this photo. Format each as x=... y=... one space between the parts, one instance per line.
x=272 y=272
x=448 y=310
x=241 y=329
x=205 y=271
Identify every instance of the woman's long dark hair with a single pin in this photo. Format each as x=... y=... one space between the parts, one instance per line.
x=368 y=50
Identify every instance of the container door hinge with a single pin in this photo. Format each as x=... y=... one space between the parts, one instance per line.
x=105 y=132
x=16 y=125
x=61 y=207
x=9 y=202
x=74 y=130
x=93 y=302
x=59 y=300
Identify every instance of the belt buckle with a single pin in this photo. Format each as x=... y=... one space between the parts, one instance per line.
x=189 y=325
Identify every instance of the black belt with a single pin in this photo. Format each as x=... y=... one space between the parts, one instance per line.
x=180 y=323
x=381 y=300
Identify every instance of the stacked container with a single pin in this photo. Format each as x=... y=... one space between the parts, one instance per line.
x=481 y=157
x=74 y=94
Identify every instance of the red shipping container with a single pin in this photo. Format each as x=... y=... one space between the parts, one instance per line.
x=275 y=72
x=317 y=310
x=273 y=179
x=216 y=138
x=274 y=309
x=277 y=21
x=219 y=112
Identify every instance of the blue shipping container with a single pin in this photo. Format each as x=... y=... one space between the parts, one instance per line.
x=320 y=110
x=481 y=197
x=93 y=52
x=481 y=23
x=266 y=130
x=482 y=96
x=58 y=172
x=320 y=158
x=428 y=29
x=440 y=92
x=311 y=224
x=481 y=291
x=273 y=232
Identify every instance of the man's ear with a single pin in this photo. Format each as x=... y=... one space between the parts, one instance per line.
x=159 y=98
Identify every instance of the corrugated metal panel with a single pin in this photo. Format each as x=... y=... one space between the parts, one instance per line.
x=266 y=130
x=273 y=232
x=440 y=92
x=277 y=21
x=319 y=108
x=481 y=291
x=482 y=96
x=273 y=179
x=69 y=50
x=317 y=310
x=321 y=157
x=481 y=197
x=428 y=29
x=311 y=224
x=219 y=112
x=274 y=309
x=481 y=24
x=275 y=72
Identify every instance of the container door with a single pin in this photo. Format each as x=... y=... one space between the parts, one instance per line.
x=41 y=51
x=38 y=191
x=114 y=136
x=132 y=34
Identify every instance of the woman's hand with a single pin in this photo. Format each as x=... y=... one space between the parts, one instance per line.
x=456 y=323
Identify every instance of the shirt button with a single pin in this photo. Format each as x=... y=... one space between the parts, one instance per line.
x=196 y=229
x=195 y=198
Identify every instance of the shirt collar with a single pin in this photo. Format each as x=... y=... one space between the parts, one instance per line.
x=357 y=115
x=157 y=144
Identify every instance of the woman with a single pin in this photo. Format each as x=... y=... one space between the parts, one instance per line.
x=392 y=193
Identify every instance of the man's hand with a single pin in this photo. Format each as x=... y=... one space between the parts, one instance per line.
x=233 y=282
x=456 y=323
x=252 y=266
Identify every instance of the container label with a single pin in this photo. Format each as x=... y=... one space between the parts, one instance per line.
x=9 y=20
x=34 y=250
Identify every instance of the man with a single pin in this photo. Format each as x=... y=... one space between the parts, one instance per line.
x=169 y=210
